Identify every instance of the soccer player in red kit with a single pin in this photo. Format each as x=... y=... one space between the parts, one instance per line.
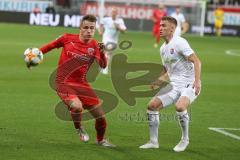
x=156 y=18
x=78 y=53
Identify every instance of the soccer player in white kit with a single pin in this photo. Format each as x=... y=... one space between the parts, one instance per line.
x=181 y=22
x=109 y=30
x=183 y=68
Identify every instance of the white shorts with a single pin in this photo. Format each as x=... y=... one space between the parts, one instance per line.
x=175 y=93
x=110 y=46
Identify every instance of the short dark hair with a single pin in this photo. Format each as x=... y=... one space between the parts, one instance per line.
x=170 y=19
x=88 y=17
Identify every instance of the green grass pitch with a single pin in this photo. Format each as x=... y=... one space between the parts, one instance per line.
x=29 y=128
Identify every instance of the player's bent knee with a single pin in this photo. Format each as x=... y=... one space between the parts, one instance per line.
x=180 y=108
x=76 y=109
x=76 y=106
x=182 y=104
x=154 y=104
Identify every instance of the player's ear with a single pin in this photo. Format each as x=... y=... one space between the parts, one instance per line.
x=173 y=28
x=80 y=25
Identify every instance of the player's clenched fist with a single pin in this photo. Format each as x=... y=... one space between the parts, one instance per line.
x=101 y=47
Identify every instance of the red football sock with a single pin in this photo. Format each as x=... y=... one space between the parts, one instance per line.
x=76 y=118
x=100 y=126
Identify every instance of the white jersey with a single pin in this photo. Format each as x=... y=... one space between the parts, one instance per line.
x=110 y=33
x=180 y=20
x=179 y=69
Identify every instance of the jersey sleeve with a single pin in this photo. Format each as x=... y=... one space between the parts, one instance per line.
x=184 y=48
x=183 y=18
x=122 y=24
x=53 y=44
x=100 y=57
x=102 y=21
x=98 y=24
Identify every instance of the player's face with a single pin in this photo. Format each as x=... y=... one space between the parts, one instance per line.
x=114 y=13
x=178 y=10
x=161 y=7
x=87 y=30
x=166 y=28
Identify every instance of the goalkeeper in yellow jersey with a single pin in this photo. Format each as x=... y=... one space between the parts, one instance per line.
x=218 y=20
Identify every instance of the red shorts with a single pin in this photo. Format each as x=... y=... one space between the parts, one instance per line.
x=84 y=92
x=156 y=30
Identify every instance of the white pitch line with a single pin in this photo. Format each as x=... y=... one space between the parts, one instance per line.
x=222 y=130
x=233 y=52
x=231 y=129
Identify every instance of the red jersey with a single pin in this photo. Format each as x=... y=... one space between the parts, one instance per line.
x=157 y=15
x=76 y=58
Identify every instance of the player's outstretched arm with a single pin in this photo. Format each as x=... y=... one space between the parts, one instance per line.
x=197 y=69
x=53 y=44
x=48 y=47
x=34 y=56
